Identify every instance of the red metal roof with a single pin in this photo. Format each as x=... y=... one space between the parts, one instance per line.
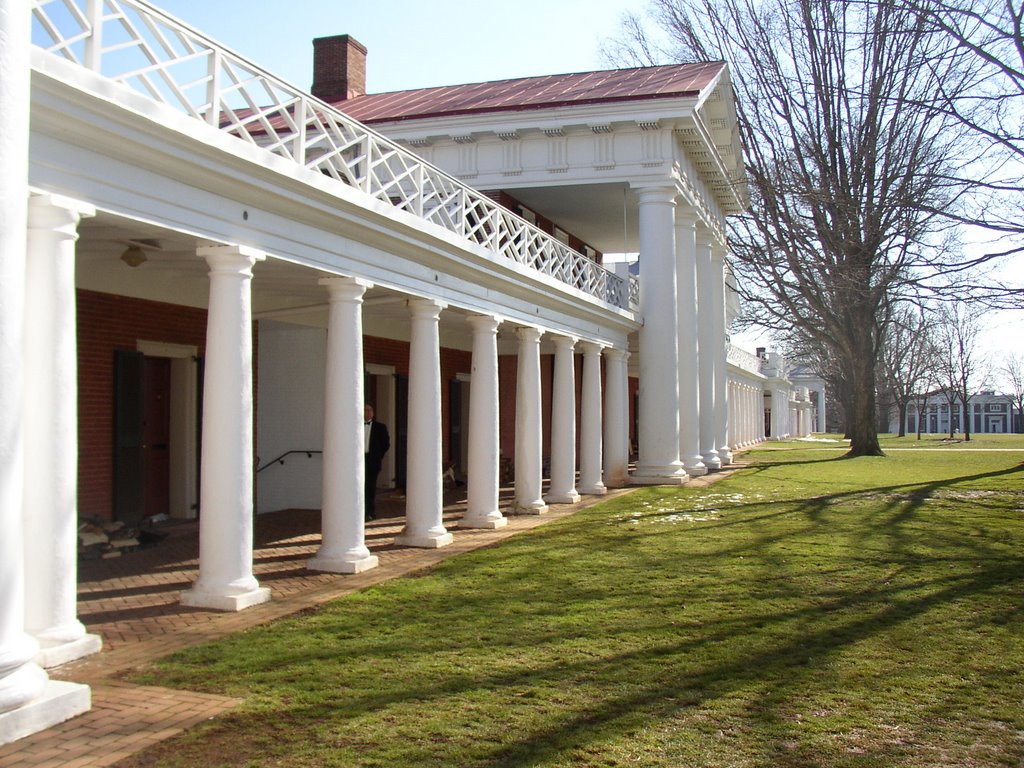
x=667 y=81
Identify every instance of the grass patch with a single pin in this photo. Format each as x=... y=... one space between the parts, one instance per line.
x=804 y=612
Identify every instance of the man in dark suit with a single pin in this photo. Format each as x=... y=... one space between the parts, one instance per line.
x=376 y=442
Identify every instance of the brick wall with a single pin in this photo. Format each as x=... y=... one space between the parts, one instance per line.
x=107 y=323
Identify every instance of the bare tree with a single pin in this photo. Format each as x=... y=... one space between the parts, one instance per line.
x=848 y=156
x=1013 y=371
x=926 y=387
x=908 y=357
x=992 y=32
x=961 y=362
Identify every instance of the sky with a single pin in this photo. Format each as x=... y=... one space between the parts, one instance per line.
x=414 y=43
x=423 y=43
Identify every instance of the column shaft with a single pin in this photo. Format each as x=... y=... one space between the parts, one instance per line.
x=21 y=679
x=424 y=525
x=706 y=329
x=721 y=348
x=343 y=540
x=51 y=433
x=590 y=422
x=563 y=425
x=616 y=419
x=689 y=368
x=484 y=447
x=659 y=350
x=226 y=581
x=529 y=436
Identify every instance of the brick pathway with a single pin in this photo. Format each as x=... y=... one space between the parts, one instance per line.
x=132 y=602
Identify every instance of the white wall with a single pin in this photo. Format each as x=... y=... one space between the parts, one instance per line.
x=290 y=415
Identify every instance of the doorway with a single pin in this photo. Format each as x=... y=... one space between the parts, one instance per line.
x=156 y=432
x=156 y=436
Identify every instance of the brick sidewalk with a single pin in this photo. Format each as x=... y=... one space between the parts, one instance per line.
x=132 y=602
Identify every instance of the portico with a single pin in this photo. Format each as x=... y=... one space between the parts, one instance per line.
x=235 y=272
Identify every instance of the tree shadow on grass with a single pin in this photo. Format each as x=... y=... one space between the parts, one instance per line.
x=783 y=650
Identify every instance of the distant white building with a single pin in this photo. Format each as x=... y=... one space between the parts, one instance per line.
x=989 y=413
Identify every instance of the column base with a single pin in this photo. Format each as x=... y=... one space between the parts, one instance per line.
x=424 y=540
x=597 y=489
x=59 y=701
x=572 y=497
x=725 y=458
x=712 y=462
x=484 y=522
x=655 y=474
x=530 y=508
x=659 y=479
x=342 y=564
x=194 y=598
x=55 y=654
x=616 y=480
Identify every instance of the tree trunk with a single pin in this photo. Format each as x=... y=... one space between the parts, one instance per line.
x=903 y=418
x=967 y=417
x=861 y=416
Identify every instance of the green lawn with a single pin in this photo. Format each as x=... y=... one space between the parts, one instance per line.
x=805 y=612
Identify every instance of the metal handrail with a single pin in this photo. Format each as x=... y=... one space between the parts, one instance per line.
x=280 y=459
x=143 y=48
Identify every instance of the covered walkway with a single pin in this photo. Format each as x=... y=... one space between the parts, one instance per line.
x=132 y=601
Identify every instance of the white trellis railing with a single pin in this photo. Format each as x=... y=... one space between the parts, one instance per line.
x=141 y=47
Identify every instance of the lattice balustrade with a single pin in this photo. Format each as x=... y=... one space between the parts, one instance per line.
x=139 y=46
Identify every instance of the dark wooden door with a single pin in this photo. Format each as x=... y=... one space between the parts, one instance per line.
x=401 y=437
x=128 y=438
x=455 y=426
x=156 y=435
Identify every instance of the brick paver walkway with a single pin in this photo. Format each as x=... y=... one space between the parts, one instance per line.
x=132 y=602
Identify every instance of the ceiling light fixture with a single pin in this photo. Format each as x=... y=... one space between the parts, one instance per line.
x=133 y=256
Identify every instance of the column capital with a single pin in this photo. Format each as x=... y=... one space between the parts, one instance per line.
x=484 y=323
x=426 y=307
x=345 y=288
x=686 y=217
x=230 y=259
x=614 y=353
x=591 y=347
x=529 y=333
x=657 y=195
x=59 y=213
x=564 y=342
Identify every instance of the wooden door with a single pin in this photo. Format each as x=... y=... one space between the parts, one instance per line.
x=156 y=435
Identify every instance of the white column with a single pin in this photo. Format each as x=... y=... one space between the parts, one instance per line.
x=616 y=418
x=29 y=702
x=761 y=428
x=484 y=447
x=753 y=414
x=659 y=348
x=226 y=581
x=51 y=433
x=343 y=530
x=590 y=421
x=689 y=388
x=720 y=350
x=731 y=400
x=821 y=409
x=424 y=525
x=563 y=424
x=529 y=436
x=708 y=350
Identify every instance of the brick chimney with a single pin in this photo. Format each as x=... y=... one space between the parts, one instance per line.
x=339 y=68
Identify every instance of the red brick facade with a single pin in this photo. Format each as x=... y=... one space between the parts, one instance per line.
x=108 y=323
